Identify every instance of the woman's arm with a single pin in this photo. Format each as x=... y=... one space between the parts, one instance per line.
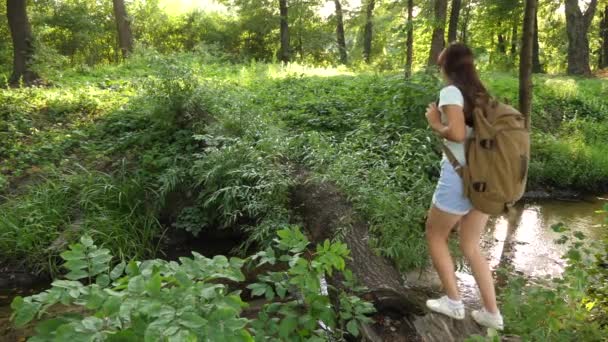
x=455 y=130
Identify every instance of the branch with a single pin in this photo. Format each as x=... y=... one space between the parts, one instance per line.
x=589 y=13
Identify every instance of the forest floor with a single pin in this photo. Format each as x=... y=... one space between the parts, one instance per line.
x=162 y=146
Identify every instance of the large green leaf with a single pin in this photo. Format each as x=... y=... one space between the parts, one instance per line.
x=118 y=270
x=24 y=311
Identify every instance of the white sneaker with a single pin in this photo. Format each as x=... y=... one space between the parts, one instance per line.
x=443 y=306
x=488 y=320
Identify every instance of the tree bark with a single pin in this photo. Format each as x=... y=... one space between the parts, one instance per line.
x=454 y=16
x=23 y=45
x=525 y=61
x=284 y=54
x=340 y=33
x=536 y=66
x=465 y=22
x=502 y=44
x=438 y=40
x=514 y=39
x=409 y=58
x=604 y=36
x=577 y=26
x=369 y=31
x=123 y=24
x=324 y=210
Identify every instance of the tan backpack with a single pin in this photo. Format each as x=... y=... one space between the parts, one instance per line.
x=497 y=158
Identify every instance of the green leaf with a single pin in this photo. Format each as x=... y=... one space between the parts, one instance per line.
x=132 y=269
x=24 y=311
x=95 y=299
x=102 y=280
x=287 y=326
x=77 y=275
x=72 y=255
x=118 y=270
x=182 y=279
x=86 y=241
x=257 y=289
x=579 y=235
x=353 y=328
x=112 y=305
x=154 y=284
x=92 y=323
x=76 y=264
x=559 y=228
x=49 y=326
x=123 y=336
x=192 y=321
x=137 y=284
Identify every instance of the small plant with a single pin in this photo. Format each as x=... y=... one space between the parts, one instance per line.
x=189 y=300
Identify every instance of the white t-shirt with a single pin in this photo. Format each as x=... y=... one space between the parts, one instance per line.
x=451 y=95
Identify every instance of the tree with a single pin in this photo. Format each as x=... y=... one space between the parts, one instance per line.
x=577 y=26
x=465 y=22
x=536 y=66
x=409 y=58
x=438 y=40
x=502 y=44
x=125 y=37
x=284 y=54
x=454 y=16
x=525 y=61
x=514 y=38
x=23 y=45
x=340 y=33
x=369 y=28
x=604 y=38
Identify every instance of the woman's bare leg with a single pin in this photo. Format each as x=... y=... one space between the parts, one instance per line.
x=472 y=225
x=438 y=227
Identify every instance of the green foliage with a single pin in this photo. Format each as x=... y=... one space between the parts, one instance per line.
x=35 y=227
x=157 y=300
x=565 y=308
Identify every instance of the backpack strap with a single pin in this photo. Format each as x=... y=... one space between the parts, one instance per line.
x=453 y=160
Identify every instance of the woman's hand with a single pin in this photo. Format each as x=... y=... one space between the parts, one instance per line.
x=433 y=116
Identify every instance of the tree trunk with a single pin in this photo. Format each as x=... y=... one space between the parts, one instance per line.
x=125 y=37
x=284 y=54
x=577 y=26
x=536 y=66
x=465 y=22
x=454 y=16
x=502 y=44
x=514 y=39
x=369 y=31
x=340 y=33
x=525 y=61
x=23 y=45
x=324 y=211
x=409 y=58
x=438 y=40
x=604 y=35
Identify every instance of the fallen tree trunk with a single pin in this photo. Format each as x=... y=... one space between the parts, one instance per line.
x=326 y=212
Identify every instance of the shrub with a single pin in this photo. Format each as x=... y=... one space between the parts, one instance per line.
x=158 y=300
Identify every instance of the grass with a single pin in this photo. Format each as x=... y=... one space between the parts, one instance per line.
x=109 y=149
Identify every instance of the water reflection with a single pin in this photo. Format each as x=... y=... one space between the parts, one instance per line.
x=527 y=242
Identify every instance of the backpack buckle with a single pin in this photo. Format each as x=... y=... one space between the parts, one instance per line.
x=488 y=144
x=479 y=186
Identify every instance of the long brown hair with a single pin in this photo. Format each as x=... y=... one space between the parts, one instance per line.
x=458 y=64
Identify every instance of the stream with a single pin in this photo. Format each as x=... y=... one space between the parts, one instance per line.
x=528 y=244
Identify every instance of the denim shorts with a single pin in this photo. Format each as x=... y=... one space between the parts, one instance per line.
x=449 y=196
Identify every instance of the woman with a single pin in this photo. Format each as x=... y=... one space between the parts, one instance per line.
x=452 y=119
